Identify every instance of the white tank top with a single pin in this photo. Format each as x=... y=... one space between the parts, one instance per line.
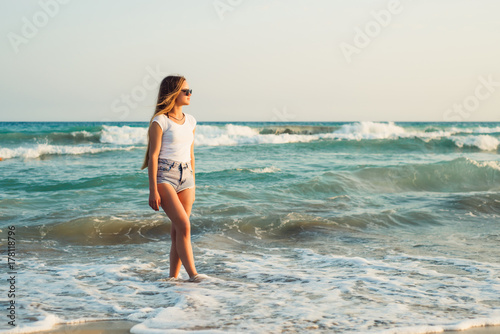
x=177 y=138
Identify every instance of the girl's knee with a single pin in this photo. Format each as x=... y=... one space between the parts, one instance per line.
x=182 y=227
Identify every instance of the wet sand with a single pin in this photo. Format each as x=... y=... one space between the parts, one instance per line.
x=480 y=330
x=94 y=327
x=123 y=327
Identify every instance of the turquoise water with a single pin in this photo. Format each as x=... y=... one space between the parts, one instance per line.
x=347 y=227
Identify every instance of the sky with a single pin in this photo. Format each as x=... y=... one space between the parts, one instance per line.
x=259 y=60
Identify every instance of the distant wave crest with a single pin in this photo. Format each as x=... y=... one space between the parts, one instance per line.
x=101 y=138
x=40 y=150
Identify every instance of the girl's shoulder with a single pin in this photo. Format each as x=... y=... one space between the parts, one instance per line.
x=162 y=121
x=160 y=117
x=191 y=119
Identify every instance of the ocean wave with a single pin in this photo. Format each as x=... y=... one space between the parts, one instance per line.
x=483 y=142
x=388 y=135
x=123 y=135
x=63 y=138
x=478 y=203
x=370 y=130
x=374 y=130
x=230 y=135
x=114 y=230
x=111 y=134
x=39 y=150
x=100 y=230
x=85 y=135
x=458 y=175
x=478 y=129
x=297 y=129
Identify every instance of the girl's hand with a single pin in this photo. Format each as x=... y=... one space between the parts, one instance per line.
x=154 y=200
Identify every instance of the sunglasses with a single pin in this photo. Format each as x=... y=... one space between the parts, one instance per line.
x=187 y=91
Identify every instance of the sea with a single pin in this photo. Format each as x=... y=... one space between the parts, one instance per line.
x=324 y=227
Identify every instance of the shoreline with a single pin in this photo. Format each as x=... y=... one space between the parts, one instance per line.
x=92 y=327
x=124 y=326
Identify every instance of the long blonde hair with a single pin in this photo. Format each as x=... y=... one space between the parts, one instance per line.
x=170 y=88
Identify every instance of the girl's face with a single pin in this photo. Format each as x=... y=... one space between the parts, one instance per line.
x=183 y=99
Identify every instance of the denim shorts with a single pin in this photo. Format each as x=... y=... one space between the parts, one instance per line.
x=178 y=174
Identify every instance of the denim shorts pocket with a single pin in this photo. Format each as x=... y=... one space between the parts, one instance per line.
x=165 y=167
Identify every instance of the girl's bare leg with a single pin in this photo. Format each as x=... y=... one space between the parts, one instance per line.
x=175 y=260
x=187 y=199
x=173 y=207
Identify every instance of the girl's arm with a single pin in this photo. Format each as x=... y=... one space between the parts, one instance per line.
x=155 y=136
x=192 y=157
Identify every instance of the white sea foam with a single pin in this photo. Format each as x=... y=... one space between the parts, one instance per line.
x=36 y=151
x=206 y=135
x=230 y=135
x=305 y=291
x=490 y=164
x=370 y=130
x=264 y=170
x=483 y=142
x=270 y=290
x=482 y=129
x=374 y=130
x=83 y=132
x=124 y=135
x=48 y=322
x=463 y=325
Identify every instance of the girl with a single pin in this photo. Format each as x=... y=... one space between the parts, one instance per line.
x=170 y=161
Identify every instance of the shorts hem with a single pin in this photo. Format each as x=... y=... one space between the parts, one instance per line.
x=166 y=182
x=185 y=189
x=173 y=186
